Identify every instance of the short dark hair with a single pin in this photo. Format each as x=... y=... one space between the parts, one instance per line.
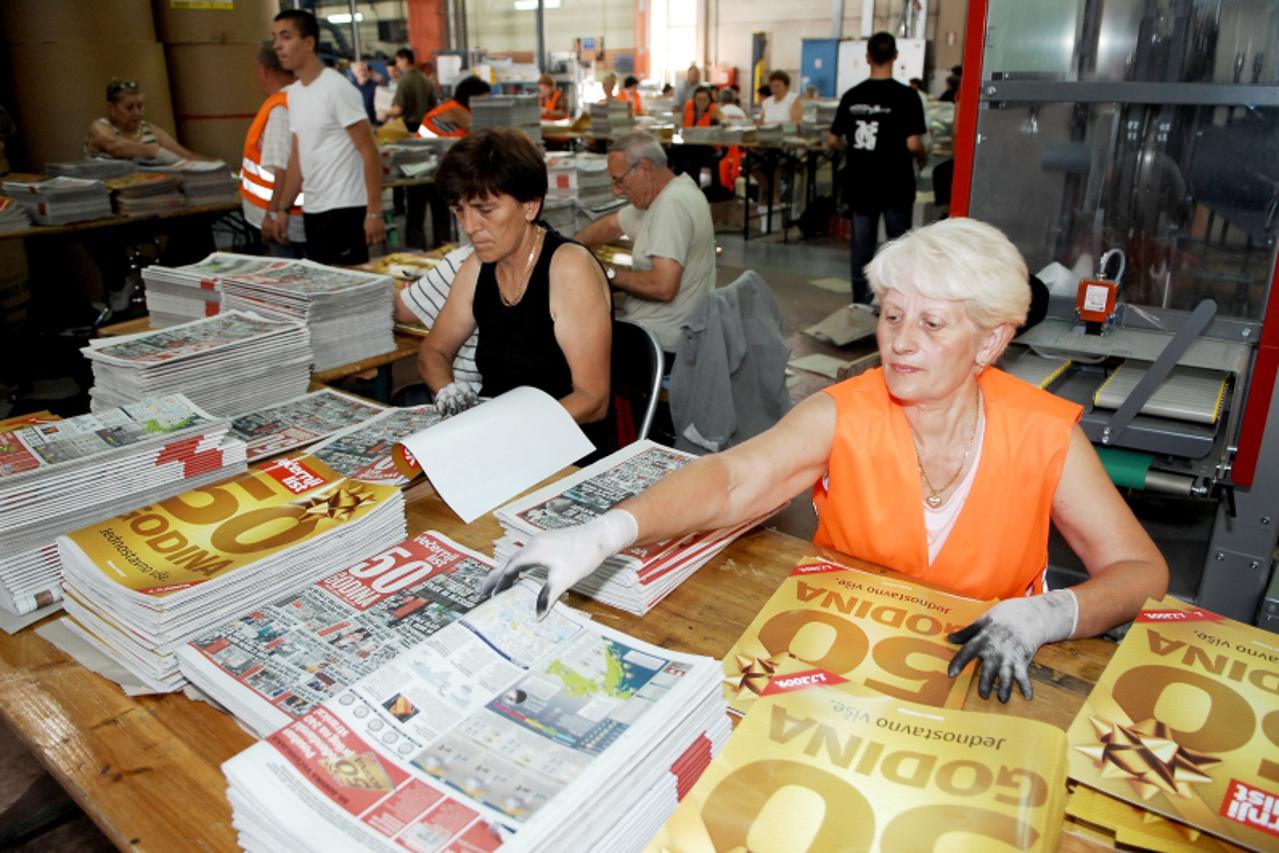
x=779 y=74
x=764 y=91
x=268 y=60
x=469 y=88
x=493 y=161
x=882 y=48
x=304 y=21
x=707 y=89
x=407 y=53
x=630 y=81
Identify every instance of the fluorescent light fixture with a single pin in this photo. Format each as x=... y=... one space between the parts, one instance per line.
x=531 y=5
x=345 y=18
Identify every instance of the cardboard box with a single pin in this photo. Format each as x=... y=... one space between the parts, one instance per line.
x=213 y=80
x=62 y=21
x=242 y=21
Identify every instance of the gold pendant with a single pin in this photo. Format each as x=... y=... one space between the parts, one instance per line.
x=933 y=501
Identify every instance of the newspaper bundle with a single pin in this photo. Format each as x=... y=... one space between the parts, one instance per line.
x=301 y=421
x=825 y=770
x=60 y=200
x=363 y=451
x=639 y=577
x=13 y=216
x=58 y=476
x=499 y=729
x=202 y=181
x=350 y=313
x=1184 y=722
x=141 y=584
x=142 y=193
x=278 y=661
x=233 y=363
x=178 y=294
x=516 y=111
x=830 y=625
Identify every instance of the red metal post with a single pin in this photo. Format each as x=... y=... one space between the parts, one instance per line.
x=967 y=107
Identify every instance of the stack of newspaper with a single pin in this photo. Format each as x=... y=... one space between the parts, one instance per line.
x=92 y=168
x=363 y=451
x=60 y=200
x=271 y=665
x=229 y=364
x=817 y=119
x=408 y=161
x=56 y=477
x=582 y=178
x=13 y=216
x=178 y=294
x=773 y=134
x=610 y=118
x=559 y=734
x=203 y=181
x=516 y=111
x=638 y=578
x=141 y=584
x=142 y=193
x=350 y=313
x=301 y=421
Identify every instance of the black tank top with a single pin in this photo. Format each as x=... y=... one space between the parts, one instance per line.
x=517 y=342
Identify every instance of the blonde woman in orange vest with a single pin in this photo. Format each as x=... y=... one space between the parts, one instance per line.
x=937 y=465
x=265 y=161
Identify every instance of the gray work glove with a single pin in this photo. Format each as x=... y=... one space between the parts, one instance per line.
x=568 y=554
x=454 y=398
x=1007 y=636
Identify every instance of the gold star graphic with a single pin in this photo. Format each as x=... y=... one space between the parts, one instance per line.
x=1148 y=756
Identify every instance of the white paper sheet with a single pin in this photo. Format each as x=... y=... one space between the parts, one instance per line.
x=13 y=622
x=487 y=455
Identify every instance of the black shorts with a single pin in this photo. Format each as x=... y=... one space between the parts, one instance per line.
x=336 y=236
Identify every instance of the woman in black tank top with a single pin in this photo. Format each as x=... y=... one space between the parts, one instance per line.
x=541 y=302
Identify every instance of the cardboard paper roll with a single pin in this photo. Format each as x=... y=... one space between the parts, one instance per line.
x=220 y=21
x=57 y=93
x=213 y=80
x=217 y=137
x=62 y=21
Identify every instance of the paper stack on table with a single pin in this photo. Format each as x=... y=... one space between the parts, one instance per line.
x=350 y=313
x=553 y=735
x=13 y=216
x=92 y=168
x=638 y=578
x=520 y=112
x=408 y=161
x=271 y=665
x=141 y=584
x=610 y=118
x=57 y=477
x=141 y=193
x=229 y=364
x=203 y=181
x=580 y=177
x=178 y=294
x=301 y=421
x=61 y=200
x=363 y=451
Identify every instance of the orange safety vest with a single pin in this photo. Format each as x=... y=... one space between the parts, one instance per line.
x=870 y=503
x=703 y=121
x=633 y=98
x=551 y=103
x=730 y=166
x=257 y=183
x=432 y=125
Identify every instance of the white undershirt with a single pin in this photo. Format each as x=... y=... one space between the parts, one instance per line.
x=939 y=522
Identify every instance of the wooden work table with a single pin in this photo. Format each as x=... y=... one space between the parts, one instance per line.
x=147 y=769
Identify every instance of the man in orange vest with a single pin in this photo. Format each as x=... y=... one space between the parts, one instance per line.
x=266 y=159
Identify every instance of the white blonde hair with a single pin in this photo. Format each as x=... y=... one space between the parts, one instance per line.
x=959 y=259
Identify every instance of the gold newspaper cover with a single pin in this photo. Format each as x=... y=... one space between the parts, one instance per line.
x=209 y=532
x=1184 y=722
x=830 y=770
x=828 y=624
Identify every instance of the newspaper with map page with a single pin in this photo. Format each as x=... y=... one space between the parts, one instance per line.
x=301 y=421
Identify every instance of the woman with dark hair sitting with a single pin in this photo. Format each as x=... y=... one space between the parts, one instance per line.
x=453 y=117
x=541 y=302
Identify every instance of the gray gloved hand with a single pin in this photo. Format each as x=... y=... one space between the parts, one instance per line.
x=568 y=554
x=1007 y=636
x=454 y=398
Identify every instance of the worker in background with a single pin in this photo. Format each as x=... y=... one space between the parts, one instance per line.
x=414 y=94
x=630 y=94
x=880 y=127
x=729 y=111
x=123 y=134
x=549 y=98
x=333 y=157
x=952 y=85
x=684 y=92
x=266 y=159
x=782 y=105
x=453 y=117
x=669 y=220
x=610 y=88
x=367 y=80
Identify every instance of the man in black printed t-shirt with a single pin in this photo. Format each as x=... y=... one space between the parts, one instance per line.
x=880 y=127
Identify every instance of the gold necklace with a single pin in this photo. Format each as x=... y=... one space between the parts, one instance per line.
x=934 y=498
x=528 y=271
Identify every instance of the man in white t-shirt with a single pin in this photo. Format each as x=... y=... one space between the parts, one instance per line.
x=334 y=159
x=669 y=221
x=784 y=105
